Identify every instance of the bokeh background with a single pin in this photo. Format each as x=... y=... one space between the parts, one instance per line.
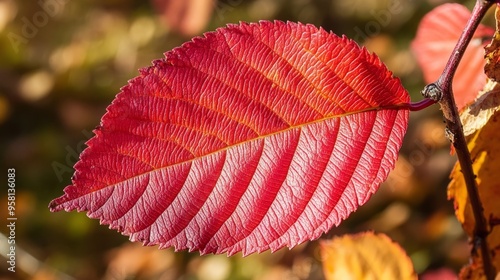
x=61 y=64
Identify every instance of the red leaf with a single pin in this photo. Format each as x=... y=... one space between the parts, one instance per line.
x=188 y=17
x=255 y=137
x=436 y=37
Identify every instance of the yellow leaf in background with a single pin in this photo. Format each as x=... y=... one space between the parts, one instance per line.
x=481 y=123
x=367 y=256
x=484 y=146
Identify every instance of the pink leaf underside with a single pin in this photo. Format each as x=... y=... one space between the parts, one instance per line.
x=436 y=37
x=254 y=137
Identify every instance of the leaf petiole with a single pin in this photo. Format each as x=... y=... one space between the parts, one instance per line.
x=420 y=105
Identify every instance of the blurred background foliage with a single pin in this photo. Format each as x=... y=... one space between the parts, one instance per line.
x=61 y=64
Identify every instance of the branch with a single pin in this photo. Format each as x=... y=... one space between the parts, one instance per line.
x=441 y=91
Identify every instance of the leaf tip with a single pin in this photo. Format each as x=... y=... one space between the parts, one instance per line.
x=54 y=206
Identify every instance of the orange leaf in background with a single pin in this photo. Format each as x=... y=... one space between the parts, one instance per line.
x=133 y=261
x=365 y=256
x=484 y=146
x=436 y=37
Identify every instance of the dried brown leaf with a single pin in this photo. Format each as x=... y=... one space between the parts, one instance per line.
x=477 y=114
x=492 y=55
